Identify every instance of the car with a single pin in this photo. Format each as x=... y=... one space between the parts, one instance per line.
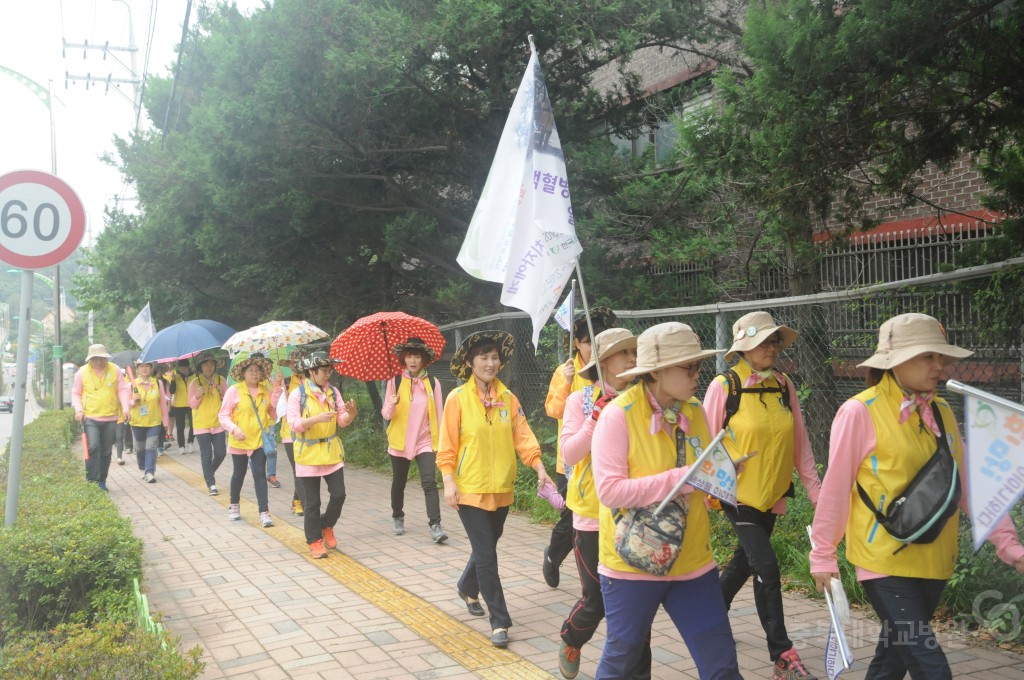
x=6 y=403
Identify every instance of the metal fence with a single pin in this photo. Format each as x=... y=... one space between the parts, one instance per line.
x=838 y=330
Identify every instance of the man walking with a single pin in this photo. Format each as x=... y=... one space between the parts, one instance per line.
x=99 y=396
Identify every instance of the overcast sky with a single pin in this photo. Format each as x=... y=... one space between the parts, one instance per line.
x=31 y=33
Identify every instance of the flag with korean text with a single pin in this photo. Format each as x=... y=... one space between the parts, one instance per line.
x=838 y=656
x=141 y=329
x=995 y=459
x=522 y=234
x=714 y=472
x=563 y=315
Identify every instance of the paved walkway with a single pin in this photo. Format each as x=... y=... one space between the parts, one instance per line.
x=385 y=606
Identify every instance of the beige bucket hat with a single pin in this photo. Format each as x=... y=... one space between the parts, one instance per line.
x=606 y=344
x=667 y=344
x=750 y=330
x=97 y=351
x=906 y=336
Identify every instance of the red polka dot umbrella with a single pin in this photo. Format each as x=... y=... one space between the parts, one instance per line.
x=365 y=347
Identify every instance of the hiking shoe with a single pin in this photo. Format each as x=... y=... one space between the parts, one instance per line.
x=213 y=490
x=398 y=526
x=317 y=550
x=437 y=534
x=149 y=478
x=103 y=486
x=234 y=512
x=265 y=519
x=568 y=660
x=550 y=570
x=272 y=481
x=329 y=540
x=297 y=507
x=790 y=667
x=120 y=460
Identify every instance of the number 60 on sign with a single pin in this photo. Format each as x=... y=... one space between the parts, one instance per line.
x=42 y=220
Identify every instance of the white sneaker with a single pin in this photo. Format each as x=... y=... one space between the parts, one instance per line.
x=182 y=451
x=234 y=511
x=265 y=518
x=213 y=490
x=148 y=478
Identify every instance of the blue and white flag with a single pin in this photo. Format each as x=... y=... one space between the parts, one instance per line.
x=563 y=315
x=522 y=234
x=838 y=656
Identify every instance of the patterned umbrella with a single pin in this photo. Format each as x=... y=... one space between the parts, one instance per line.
x=364 y=348
x=273 y=335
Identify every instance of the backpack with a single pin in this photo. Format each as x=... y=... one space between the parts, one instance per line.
x=920 y=512
x=732 y=400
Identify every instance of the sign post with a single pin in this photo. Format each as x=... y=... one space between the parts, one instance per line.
x=42 y=222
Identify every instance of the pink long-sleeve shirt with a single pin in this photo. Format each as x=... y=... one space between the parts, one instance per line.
x=294 y=415
x=122 y=394
x=853 y=440
x=417 y=429
x=194 y=399
x=575 y=440
x=615 y=489
x=803 y=455
x=232 y=398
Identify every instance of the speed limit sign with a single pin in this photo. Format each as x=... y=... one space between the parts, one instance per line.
x=42 y=220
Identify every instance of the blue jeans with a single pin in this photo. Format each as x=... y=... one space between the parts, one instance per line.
x=271 y=463
x=212 y=449
x=147 y=439
x=906 y=642
x=258 y=463
x=99 y=437
x=697 y=609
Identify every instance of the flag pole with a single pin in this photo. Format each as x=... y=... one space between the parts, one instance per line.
x=590 y=325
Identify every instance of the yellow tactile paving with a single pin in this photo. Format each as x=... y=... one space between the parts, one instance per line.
x=464 y=645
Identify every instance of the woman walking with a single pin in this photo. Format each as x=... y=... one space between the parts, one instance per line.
x=880 y=439
x=412 y=402
x=295 y=357
x=759 y=405
x=315 y=412
x=205 y=396
x=181 y=412
x=246 y=412
x=483 y=429
x=643 y=441
x=148 y=404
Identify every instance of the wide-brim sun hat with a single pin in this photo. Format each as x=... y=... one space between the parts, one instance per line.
x=294 y=357
x=906 y=336
x=750 y=330
x=506 y=348
x=415 y=345
x=265 y=365
x=97 y=352
x=605 y=345
x=667 y=344
x=203 y=357
x=316 y=360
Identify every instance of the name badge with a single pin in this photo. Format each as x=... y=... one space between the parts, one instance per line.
x=143 y=410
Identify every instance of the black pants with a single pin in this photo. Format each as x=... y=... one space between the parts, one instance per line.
x=754 y=555
x=560 y=544
x=182 y=415
x=123 y=439
x=289 y=448
x=480 y=577
x=99 y=437
x=258 y=463
x=426 y=464
x=309 y=493
x=906 y=642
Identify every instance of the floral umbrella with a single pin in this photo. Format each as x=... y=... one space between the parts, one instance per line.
x=273 y=335
x=364 y=348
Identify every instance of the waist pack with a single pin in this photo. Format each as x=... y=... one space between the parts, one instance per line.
x=920 y=512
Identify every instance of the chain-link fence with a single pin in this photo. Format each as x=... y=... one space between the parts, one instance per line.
x=838 y=330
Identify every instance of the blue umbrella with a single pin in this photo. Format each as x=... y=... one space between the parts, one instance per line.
x=186 y=339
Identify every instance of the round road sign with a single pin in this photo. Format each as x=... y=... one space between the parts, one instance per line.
x=42 y=220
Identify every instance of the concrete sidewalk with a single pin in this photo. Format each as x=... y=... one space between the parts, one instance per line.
x=384 y=606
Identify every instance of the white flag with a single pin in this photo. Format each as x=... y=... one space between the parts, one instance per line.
x=141 y=329
x=716 y=474
x=838 y=655
x=522 y=234
x=563 y=315
x=995 y=457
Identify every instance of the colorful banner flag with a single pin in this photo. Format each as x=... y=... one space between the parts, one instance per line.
x=995 y=457
x=563 y=315
x=716 y=474
x=522 y=234
x=141 y=329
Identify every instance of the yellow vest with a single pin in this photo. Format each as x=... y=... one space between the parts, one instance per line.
x=205 y=417
x=650 y=455
x=148 y=396
x=764 y=425
x=581 y=497
x=180 y=397
x=286 y=429
x=245 y=418
x=900 y=451
x=400 y=420
x=99 y=393
x=578 y=383
x=486 y=453
x=320 y=444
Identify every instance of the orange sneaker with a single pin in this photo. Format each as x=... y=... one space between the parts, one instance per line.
x=329 y=539
x=317 y=550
